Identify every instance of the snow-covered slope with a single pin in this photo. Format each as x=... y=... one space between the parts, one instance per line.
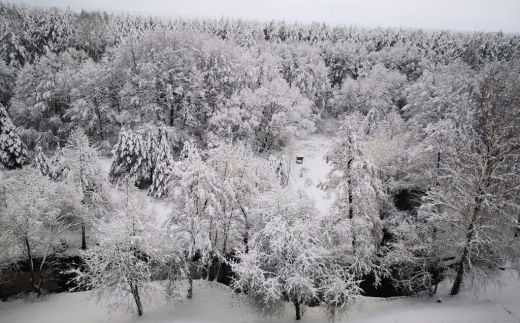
x=215 y=303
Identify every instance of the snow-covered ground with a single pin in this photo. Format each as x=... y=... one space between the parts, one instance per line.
x=214 y=302
x=314 y=169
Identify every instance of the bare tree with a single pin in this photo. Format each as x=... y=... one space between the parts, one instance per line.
x=473 y=206
x=134 y=263
x=35 y=212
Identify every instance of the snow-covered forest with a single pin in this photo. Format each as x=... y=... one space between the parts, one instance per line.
x=142 y=157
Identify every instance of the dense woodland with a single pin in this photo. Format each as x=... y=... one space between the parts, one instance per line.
x=425 y=157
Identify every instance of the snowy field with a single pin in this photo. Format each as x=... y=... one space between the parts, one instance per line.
x=214 y=302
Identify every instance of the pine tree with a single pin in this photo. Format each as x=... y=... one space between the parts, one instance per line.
x=41 y=162
x=163 y=168
x=189 y=152
x=58 y=166
x=13 y=152
x=131 y=158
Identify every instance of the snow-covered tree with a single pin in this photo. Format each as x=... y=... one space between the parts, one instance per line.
x=13 y=152
x=386 y=145
x=131 y=158
x=303 y=68
x=280 y=169
x=266 y=117
x=288 y=260
x=200 y=201
x=163 y=161
x=354 y=219
x=7 y=82
x=473 y=206
x=381 y=90
x=41 y=162
x=432 y=105
x=85 y=173
x=412 y=256
x=189 y=152
x=35 y=212
x=57 y=164
x=134 y=263
x=43 y=93
x=247 y=177
x=90 y=106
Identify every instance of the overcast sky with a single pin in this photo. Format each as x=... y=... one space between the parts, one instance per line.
x=479 y=15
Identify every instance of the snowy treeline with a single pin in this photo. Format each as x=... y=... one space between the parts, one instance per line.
x=425 y=162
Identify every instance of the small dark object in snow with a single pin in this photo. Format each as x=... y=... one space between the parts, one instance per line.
x=299 y=160
x=439 y=300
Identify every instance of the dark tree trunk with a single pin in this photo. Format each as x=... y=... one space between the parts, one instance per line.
x=35 y=287
x=517 y=232
x=298 y=309
x=223 y=273
x=455 y=289
x=212 y=270
x=172 y=112
x=246 y=234
x=83 y=237
x=438 y=167
x=190 y=289
x=137 y=299
x=350 y=200
x=459 y=267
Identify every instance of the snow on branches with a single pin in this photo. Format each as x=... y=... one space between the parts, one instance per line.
x=289 y=260
x=134 y=262
x=131 y=158
x=13 y=152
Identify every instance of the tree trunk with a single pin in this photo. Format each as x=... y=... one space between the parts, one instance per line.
x=137 y=300
x=266 y=139
x=211 y=270
x=459 y=267
x=350 y=200
x=31 y=268
x=246 y=234
x=298 y=309
x=438 y=168
x=485 y=180
x=83 y=237
x=190 y=289
x=171 y=115
x=100 y=123
x=460 y=274
x=517 y=232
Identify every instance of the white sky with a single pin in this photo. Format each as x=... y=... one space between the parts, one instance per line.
x=471 y=15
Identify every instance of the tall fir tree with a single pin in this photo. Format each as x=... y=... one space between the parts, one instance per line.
x=13 y=152
x=163 y=167
x=131 y=158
